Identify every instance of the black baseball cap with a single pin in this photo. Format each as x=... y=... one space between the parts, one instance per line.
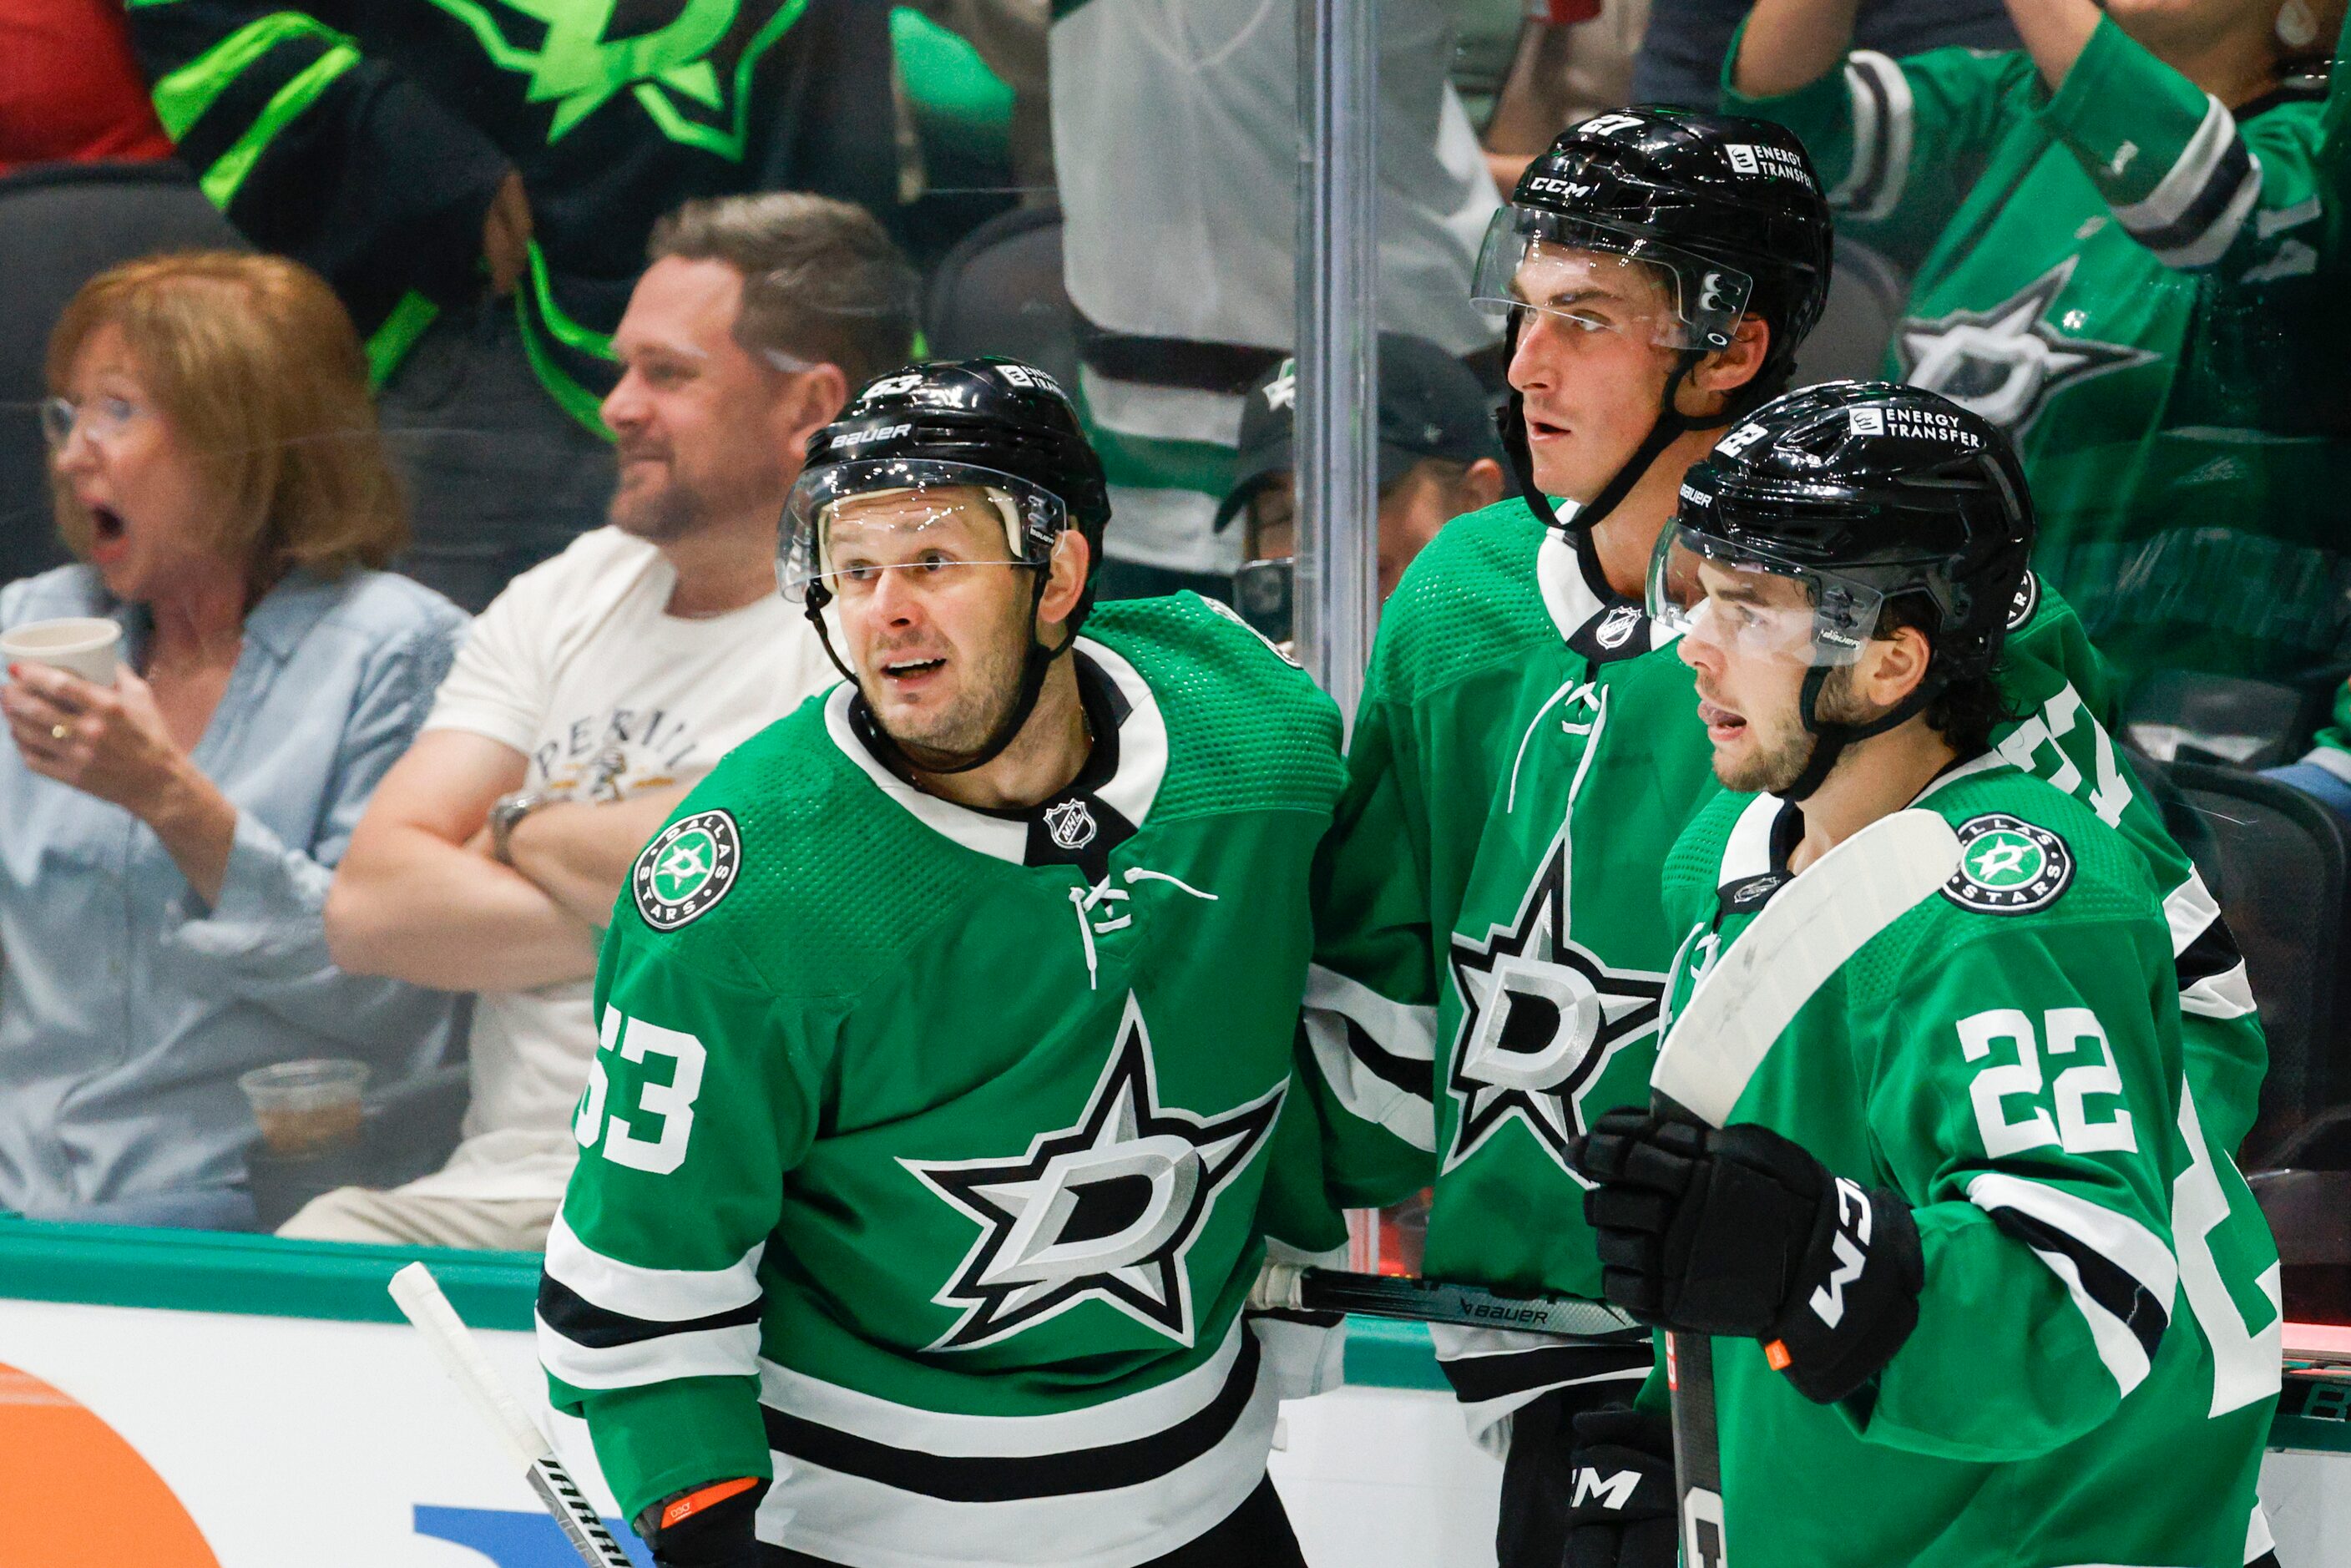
x=1431 y=405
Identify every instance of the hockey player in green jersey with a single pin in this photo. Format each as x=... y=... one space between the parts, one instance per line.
x=946 y=1029
x=1974 y=1256
x=1477 y=998
x=2126 y=245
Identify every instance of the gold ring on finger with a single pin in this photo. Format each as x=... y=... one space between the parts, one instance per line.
x=60 y=731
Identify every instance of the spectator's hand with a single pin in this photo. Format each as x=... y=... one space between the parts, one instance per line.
x=505 y=235
x=113 y=744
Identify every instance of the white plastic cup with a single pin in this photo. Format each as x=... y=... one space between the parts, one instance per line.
x=84 y=645
x=307 y=1107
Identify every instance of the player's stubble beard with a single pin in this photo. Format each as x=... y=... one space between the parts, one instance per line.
x=1777 y=764
x=985 y=696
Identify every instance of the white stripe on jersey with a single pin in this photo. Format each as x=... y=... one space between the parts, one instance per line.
x=868 y=1524
x=2213 y=244
x=1883 y=115
x=2117 y=1237
x=2189 y=910
x=730 y=1352
x=663 y=1295
x=2184 y=182
x=1407 y=1033
x=1125 y=1420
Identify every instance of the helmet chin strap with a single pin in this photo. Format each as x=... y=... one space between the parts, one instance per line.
x=1033 y=671
x=1831 y=738
x=1671 y=425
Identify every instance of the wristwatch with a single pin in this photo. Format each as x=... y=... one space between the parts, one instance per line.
x=507 y=811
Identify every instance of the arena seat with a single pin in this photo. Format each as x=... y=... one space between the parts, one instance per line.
x=2193 y=716
x=60 y=225
x=1866 y=294
x=999 y=291
x=2275 y=859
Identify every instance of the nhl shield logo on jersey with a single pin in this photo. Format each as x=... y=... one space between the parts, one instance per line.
x=1617 y=628
x=1105 y=1209
x=686 y=868
x=1070 y=824
x=1541 y=1020
x=2009 y=866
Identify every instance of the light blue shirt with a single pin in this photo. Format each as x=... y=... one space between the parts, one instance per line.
x=126 y=1007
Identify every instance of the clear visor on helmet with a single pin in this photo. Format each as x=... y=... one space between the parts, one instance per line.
x=1746 y=602
x=1605 y=278
x=846 y=524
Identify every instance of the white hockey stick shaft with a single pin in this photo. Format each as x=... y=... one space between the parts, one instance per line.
x=419 y=1296
x=1809 y=930
x=452 y=1343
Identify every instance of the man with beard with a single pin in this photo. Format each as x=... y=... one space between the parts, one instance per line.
x=1965 y=1240
x=946 y=1031
x=1478 y=999
x=598 y=686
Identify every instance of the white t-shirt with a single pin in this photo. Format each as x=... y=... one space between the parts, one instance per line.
x=576 y=666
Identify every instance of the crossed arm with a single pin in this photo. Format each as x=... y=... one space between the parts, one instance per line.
x=421 y=898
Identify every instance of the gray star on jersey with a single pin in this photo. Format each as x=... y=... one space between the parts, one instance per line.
x=2007 y=362
x=1540 y=1020
x=1103 y=1210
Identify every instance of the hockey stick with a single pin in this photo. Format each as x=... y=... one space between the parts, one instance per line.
x=419 y=1298
x=1809 y=930
x=1286 y=1287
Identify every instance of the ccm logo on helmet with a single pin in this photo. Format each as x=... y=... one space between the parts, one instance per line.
x=1553 y=183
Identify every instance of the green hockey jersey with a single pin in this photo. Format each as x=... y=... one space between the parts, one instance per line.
x=921 y=1161
x=2148 y=292
x=2095 y=1361
x=1490 y=950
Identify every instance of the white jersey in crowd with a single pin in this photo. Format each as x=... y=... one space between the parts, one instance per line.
x=1175 y=128
x=578 y=666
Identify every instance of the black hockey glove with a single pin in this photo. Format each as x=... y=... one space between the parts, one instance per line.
x=1622 y=1512
x=1739 y=1232
x=707 y=1526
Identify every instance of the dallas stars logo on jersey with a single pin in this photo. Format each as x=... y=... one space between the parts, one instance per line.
x=1103 y=1210
x=686 y=869
x=2008 y=866
x=1540 y=1020
x=2007 y=362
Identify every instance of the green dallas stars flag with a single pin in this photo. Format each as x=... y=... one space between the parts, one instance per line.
x=2148 y=292
x=2095 y=1361
x=922 y=1161
x=1490 y=949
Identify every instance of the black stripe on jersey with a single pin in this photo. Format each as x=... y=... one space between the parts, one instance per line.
x=242 y=100
x=2108 y=1282
x=962 y=1478
x=2214 y=952
x=2229 y=171
x=583 y=1322
x=1479 y=1378
x=1417 y=1079
x=1876 y=158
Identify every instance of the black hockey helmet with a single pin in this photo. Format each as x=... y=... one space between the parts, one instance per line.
x=1728 y=211
x=1870 y=494
x=952 y=426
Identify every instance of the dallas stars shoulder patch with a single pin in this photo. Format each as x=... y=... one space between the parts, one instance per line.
x=686 y=869
x=2009 y=866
